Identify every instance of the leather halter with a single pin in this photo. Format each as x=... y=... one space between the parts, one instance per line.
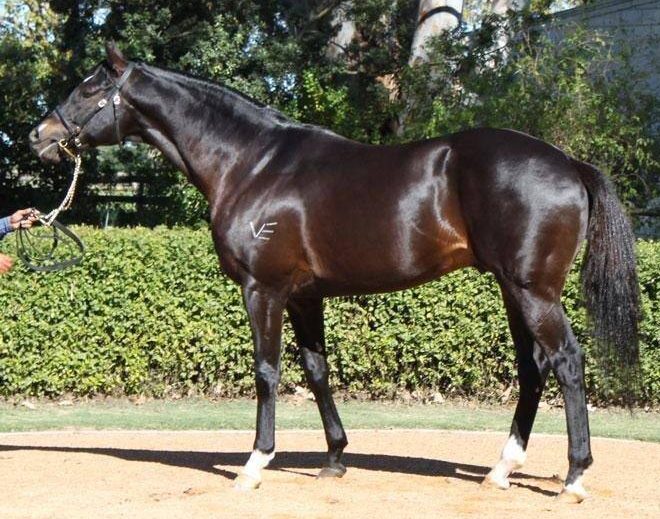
x=72 y=143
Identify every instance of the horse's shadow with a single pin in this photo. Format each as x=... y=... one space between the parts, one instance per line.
x=293 y=461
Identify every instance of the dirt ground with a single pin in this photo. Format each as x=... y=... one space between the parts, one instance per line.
x=391 y=473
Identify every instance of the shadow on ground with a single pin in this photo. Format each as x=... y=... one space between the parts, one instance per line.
x=291 y=461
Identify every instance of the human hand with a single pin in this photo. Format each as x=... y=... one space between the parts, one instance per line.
x=5 y=263
x=23 y=218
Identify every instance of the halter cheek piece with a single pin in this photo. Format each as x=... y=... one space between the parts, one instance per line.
x=42 y=258
x=72 y=143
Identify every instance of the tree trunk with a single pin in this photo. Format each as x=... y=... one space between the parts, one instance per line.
x=500 y=8
x=346 y=31
x=434 y=17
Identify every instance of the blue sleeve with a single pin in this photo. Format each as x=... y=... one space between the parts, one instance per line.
x=5 y=227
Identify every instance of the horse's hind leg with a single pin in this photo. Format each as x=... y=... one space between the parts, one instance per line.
x=547 y=322
x=533 y=368
x=307 y=321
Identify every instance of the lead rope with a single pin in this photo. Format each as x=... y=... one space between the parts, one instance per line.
x=48 y=219
x=44 y=261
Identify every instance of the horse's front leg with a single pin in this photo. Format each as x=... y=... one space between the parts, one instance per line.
x=307 y=320
x=265 y=311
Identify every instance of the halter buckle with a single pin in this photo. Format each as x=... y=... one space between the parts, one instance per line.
x=116 y=100
x=64 y=146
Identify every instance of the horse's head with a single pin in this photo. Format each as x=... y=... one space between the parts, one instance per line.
x=94 y=114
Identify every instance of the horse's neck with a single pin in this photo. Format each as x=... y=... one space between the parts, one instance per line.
x=208 y=133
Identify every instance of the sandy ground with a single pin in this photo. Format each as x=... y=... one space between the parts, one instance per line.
x=393 y=473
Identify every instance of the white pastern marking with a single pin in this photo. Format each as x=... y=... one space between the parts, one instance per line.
x=258 y=461
x=513 y=456
x=577 y=487
x=263 y=230
x=513 y=452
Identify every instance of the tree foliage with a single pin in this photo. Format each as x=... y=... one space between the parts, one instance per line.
x=575 y=94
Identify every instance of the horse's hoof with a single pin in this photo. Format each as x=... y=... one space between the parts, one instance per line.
x=572 y=495
x=245 y=482
x=336 y=471
x=493 y=480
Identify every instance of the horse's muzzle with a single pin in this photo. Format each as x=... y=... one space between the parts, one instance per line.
x=46 y=148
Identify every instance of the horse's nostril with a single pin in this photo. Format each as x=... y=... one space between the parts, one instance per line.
x=34 y=135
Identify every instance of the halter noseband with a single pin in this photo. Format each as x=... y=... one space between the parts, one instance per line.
x=75 y=130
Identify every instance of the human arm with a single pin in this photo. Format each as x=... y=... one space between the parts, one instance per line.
x=5 y=226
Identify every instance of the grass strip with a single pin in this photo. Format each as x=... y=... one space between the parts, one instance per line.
x=201 y=414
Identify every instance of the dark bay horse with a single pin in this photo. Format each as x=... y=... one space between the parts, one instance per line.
x=299 y=213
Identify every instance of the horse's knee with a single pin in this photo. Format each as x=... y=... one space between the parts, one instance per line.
x=316 y=368
x=317 y=378
x=530 y=377
x=267 y=378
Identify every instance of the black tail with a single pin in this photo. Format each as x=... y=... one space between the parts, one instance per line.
x=609 y=285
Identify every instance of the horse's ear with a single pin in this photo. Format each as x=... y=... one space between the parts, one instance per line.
x=116 y=59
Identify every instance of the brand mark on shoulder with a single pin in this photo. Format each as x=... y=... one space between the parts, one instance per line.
x=264 y=232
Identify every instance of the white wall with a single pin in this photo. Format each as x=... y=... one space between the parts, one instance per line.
x=635 y=23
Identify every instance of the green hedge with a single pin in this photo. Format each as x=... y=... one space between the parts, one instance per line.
x=148 y=312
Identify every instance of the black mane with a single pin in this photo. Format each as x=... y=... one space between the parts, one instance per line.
x=212 y=87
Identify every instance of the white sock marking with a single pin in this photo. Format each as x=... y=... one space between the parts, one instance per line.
x=576 y=488
x=513 y=452
x=513 y=456
x=258 y=461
